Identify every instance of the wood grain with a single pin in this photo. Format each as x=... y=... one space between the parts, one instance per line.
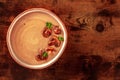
x=93 y=49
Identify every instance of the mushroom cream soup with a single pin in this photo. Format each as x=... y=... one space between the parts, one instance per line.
x=36 y=38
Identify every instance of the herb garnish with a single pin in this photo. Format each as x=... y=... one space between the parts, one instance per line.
x=49 y=25
x=60 y=38
x=45 y=54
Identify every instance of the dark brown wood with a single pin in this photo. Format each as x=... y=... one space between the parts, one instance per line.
x=92 y=52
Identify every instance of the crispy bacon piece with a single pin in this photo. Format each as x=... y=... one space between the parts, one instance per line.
x=50 y=49
x=42 y=55
x=47 y=32
x=56 y=30
x=54 y=41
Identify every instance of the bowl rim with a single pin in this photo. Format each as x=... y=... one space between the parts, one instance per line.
x=8 y=38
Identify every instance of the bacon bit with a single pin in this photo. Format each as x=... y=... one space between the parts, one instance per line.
x=50 y=50
x=38 y=57
x=57 y=30
x=47 y=32
x=54 y=41
x=42 y=55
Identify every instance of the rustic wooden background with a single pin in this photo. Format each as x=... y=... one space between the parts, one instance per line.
x=93 y=49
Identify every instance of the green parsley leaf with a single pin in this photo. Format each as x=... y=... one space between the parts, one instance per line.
x=45 y=54
x=60 y=38
x=49 y=25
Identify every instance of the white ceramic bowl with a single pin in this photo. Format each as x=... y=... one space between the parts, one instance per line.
x=12 y=53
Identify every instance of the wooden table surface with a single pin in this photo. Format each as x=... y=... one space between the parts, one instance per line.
x=93 y=49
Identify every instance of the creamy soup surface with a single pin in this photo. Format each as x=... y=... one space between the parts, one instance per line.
x=27 y=38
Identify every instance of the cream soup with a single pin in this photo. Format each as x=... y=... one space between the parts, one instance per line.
x=34 y=37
